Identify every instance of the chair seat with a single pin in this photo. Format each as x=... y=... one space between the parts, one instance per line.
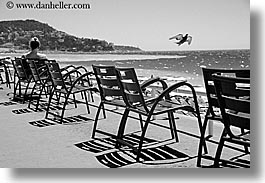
x=116 y=102
x=162 y=107
x=75 y=89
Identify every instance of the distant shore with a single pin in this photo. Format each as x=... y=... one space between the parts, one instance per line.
x=172 y=52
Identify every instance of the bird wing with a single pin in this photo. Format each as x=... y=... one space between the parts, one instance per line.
x=189 y=39
x=177 y=37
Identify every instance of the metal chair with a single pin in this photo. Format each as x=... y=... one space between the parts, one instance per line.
x=41 y=81
x=234 y=100
x=213 y=104
x=110 y=93
x=6 y=67
x=24 y=80
x=67 y=85
x=165 y=103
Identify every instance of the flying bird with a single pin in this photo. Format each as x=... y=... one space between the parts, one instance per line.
x=182 y=39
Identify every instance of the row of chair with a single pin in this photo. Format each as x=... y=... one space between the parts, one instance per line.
x=35 y=77
x=120 y=87
x=117 y=86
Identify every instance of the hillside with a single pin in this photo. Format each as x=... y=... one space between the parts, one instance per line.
x=15 y=35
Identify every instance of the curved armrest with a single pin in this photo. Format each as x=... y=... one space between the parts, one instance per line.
x=81 y=67
x=71 y=72
x=67 y=67
x=153 y=80
x=75 y=69
x=68 y=74
x=165 y=94
x=80 y=78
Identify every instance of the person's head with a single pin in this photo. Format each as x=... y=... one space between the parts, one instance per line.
x=34 y=43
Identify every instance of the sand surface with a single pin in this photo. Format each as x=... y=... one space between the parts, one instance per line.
x=27 y=142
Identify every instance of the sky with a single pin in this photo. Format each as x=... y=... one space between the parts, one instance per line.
x=148 y=24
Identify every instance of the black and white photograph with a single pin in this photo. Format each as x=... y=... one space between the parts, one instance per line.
x=125 y=84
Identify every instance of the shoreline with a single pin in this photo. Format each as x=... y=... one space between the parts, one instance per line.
x=163 y=52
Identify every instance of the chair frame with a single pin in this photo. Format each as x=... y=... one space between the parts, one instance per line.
x=24 y=79
x=60 y=86
x=41 y=80
x=135 y=102
x=108 y=86
x=213 y=102
x=8 y=76
x=235 y=109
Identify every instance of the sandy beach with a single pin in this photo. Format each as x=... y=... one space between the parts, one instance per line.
x=29 y=141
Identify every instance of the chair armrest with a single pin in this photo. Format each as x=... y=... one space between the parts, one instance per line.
x=71 y=72
x=153 y=80
x=67 y=67
x=81 y=67
x=166 y=92
x=81 y=78
x=68 y=75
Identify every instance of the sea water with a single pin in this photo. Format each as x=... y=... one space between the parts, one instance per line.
x=168 y=64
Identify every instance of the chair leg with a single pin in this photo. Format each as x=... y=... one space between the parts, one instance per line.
x=245 y=147
x=31 y=95
x=219 y=151
x=16 y=85
x=142 y=137
x=141 y=122
x=74 y=100
x=64 y=106
x=26 y=91
x=122 y=126
x=172 y=125
x=104 y=112
x=58 y=98
x=87 y=106
x=202 y=142
x=38 y=101
x=49 y=103
x=91 y=96
x=96 y=120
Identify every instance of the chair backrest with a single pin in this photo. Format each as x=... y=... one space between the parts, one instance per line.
x=107 y=81
x=35 y=69
x=20 y=69
x=56 y=75
x=209 y=85
x=130 y=87
x=233 y=95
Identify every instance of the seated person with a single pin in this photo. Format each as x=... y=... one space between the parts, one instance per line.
x=34 y=45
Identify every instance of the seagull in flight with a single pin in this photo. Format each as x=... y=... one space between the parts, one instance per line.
x=182 y=39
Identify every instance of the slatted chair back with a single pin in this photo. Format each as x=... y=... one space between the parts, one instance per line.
x=209 y=86
x=20 y=69
x=234 y=99
x=56 y=75
x=107 y=81
x=34 y=70
x=131 y=89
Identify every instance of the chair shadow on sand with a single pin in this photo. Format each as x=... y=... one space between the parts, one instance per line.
x=42 y=108
x=112 y=157
x=8 y=103
x=66 y=121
